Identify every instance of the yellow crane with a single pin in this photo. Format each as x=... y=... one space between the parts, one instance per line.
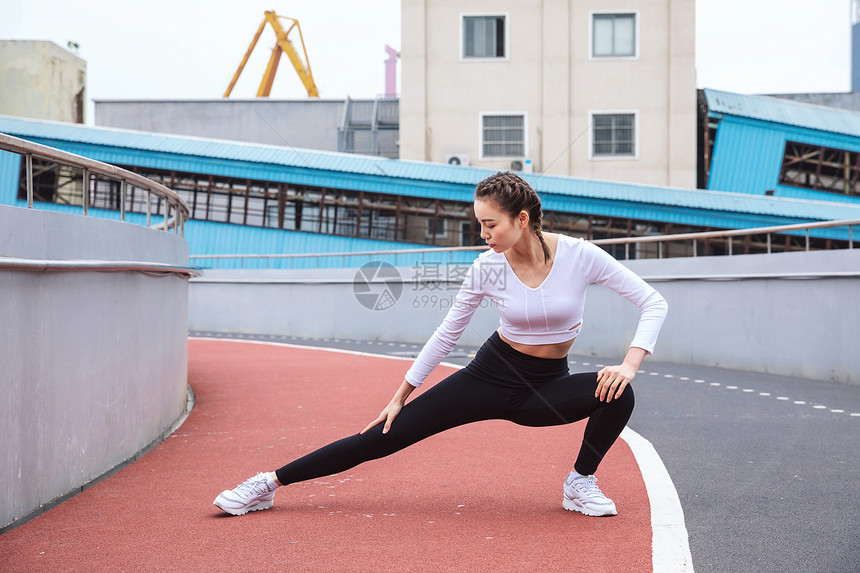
x=283 y=45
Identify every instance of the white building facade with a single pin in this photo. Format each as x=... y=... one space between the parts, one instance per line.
x=587 y=88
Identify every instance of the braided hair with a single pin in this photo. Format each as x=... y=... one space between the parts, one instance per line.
x=513 y=195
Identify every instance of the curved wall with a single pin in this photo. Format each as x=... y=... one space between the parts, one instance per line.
x=94 y=363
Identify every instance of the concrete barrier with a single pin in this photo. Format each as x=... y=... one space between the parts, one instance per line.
x=789 y=313
x=94 y=364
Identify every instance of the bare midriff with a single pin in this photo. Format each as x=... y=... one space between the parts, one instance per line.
x=556 y=350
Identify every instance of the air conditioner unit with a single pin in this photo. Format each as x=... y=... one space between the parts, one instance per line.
x=457 y=159
x=522 y=165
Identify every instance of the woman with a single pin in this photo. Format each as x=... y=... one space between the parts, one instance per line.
x=521 y=373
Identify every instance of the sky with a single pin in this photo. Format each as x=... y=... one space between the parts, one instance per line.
x=190 y=49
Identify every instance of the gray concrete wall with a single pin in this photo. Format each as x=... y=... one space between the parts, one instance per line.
x=776 y=313
x=847 y=100
x=308 y=124
x=94 y=363
x=41 y=80
x=789 y=314
x=322 y=303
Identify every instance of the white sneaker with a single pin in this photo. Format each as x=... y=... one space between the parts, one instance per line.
x=582 y=494
x=252 y=495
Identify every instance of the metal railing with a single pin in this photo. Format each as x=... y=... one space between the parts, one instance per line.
x=371 y=255
x=626 y=241
x=172 y=201
x=695 y=237
x=40 y=265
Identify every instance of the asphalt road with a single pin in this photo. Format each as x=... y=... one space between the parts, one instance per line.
x=766 y=467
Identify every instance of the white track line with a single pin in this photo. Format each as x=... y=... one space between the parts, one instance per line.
x=670 y=546
x=669 y=542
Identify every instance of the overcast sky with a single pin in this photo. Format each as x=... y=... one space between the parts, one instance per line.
x=187 y=49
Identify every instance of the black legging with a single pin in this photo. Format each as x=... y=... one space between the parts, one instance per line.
x=500 y=383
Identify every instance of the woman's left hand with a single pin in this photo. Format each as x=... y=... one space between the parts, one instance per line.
x=612 y=380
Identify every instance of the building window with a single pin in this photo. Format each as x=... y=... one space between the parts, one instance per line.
x=437 y=227
x=820 y=168
x=613 y=135
x=503 y=135
x=613 y=35
x=484 y=37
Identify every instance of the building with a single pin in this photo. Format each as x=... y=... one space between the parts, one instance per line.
x=842 y=100
x=253 y=198
x=41 y=80
x=563 y=87
x=767 y=146
x=366 y=126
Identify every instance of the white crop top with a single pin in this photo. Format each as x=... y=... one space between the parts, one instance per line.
x=547 y=314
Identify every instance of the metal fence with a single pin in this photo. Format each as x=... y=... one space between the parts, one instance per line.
x=728 y=236
x=454 y=255
x=175 y=211
x=370 y=127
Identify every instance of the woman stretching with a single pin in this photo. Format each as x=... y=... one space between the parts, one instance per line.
x=538 y=283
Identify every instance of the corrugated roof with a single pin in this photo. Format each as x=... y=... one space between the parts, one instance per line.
x=392 y=176
x=238 y=151
x=784 y=111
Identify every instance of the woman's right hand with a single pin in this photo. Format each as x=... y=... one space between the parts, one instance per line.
x=393 y=409
x=387 y=415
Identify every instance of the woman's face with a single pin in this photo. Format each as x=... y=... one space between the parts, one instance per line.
x=497 y=228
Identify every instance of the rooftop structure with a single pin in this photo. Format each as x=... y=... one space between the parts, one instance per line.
x=760 y=145
x=271 y=199
x=367 y=126
x=842 y=100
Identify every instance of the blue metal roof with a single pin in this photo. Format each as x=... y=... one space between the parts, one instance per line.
x=748 y=155
x=349 y=171
x=787 y=112
x=751 y=136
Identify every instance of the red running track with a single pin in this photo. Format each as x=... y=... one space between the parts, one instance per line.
x=483 y=497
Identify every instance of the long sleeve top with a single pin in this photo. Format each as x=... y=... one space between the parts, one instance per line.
x=547 y=314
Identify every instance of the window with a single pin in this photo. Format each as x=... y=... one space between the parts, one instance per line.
x=613 y=36
x=503 y=135
x=483 y=37
x=613 y=135
x=436 y=227
x=820 y=168
x=470 y=234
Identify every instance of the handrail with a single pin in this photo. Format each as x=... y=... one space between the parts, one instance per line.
x=627 y=241
x=342 y=254
x=173 y=202
x=317 y=280
x=768 y=231
x=731 y=233
x=40 y=265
